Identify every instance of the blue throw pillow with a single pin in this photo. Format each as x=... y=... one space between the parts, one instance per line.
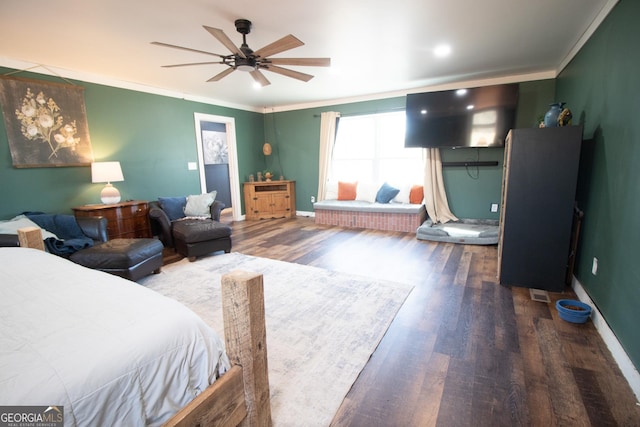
x=386 y=193
x=173 y=206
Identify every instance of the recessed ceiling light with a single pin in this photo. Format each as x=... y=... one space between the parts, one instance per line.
x=423 y=111
x=442 y=51
x=461 y=92
x=470 y=107
x=257 y=86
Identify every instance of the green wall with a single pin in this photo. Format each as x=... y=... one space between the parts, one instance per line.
x=152 y=136
x=296 y=136
x=601 y=86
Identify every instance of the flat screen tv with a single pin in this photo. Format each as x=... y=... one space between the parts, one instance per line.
x=476 y=117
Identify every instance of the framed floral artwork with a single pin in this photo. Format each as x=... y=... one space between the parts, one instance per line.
x=46 y=123
x=214 y=147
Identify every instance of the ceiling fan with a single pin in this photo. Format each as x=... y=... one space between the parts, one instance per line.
x=243 y=58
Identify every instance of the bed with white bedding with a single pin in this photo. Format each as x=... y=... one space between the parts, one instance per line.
x=110 y=351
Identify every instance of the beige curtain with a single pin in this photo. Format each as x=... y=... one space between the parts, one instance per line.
x=435 y=197
x=328 y=121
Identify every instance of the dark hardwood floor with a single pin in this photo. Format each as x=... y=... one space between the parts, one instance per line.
x=463 y=350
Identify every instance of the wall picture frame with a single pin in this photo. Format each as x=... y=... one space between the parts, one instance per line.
x=214 y=146
x=46 y=123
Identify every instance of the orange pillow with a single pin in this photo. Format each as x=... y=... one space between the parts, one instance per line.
x=416 y=195
x=347 y=190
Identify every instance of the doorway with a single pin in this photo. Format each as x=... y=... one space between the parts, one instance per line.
x=218 y=159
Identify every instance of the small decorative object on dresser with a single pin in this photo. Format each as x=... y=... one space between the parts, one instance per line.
x=125 y=220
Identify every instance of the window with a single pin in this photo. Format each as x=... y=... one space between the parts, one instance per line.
x=370 y=148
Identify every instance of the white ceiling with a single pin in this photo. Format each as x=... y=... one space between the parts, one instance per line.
x=376 y=46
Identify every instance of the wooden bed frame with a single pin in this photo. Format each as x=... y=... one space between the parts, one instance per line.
x=241 y=395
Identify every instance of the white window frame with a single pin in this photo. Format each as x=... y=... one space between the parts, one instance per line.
x=413 y=156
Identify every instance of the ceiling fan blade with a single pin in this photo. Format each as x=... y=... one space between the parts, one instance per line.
x=192 y=63
x=290 y=73
x=219 y=76
x=226 y=41
x=309 y=62
x=285 y=43
x=187 y=49
x=260 y=78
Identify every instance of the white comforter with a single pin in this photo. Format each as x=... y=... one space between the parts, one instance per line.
x=110 y=351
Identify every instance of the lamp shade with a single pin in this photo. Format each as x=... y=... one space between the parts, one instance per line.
x=107 y=172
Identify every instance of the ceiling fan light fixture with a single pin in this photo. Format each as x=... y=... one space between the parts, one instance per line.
x=243 y=58
x=246 y=64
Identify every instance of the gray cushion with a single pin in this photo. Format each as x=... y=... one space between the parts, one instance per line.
x=429 y=230
x=360 y=206
x=466 y=231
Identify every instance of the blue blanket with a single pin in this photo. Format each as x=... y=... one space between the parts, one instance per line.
x=70 y=236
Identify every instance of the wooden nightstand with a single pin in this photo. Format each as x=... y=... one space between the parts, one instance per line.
x=126 y=220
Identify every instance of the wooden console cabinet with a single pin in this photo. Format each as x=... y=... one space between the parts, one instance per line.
x=275 y=199
x=125 y=220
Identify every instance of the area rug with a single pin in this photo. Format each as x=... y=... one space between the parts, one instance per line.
x=322 y=326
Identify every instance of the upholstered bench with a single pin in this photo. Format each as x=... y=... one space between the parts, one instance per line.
x=128 y=258
x=403 y=217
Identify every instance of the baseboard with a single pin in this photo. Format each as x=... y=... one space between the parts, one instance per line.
x=626 y=365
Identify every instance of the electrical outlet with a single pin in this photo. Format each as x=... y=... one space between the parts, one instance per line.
x=594 y=267
x=494 y=207
x=192 y=166
x=313 y=199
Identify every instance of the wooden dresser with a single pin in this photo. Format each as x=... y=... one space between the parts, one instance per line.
x=126 y=220
x=275 y=199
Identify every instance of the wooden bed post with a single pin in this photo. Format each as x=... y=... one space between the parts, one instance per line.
x=241 y=395
x=246 y=341
x=30 y=237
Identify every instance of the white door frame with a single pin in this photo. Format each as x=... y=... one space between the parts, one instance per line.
x=234 y=181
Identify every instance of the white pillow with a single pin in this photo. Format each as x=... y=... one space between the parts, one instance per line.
x=331 y=191
x=21 y=221
x=367 y=191
x=403 y=195
x=199 y=205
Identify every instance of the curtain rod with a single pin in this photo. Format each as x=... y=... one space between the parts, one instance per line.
x=366 y=113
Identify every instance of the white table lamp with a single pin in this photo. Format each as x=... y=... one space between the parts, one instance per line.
x=107 y=172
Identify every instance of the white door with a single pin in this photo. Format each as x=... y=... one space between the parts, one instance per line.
x=213 y=126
